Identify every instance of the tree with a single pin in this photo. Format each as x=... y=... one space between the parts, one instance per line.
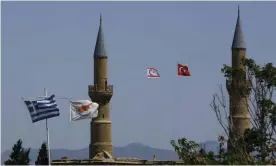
x=186 y=150
x=42 y=158
x=191 y=153
x=19 y=155
x=257 y=144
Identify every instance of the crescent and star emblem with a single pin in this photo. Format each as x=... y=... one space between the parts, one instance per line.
x=181 y=70
x=152 y=72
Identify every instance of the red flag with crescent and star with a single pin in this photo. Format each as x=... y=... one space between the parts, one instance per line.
x=183 y=70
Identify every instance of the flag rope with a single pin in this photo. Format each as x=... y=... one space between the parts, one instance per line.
x=57 y=97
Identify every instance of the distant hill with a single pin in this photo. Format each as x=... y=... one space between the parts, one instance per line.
x=136 y=150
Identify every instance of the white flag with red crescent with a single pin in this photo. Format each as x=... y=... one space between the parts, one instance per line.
x=153 y=73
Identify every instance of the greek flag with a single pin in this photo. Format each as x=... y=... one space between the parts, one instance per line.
x=42 y=109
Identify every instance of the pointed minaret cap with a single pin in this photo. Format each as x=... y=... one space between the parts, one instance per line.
x=238 y=41
x=100 y=48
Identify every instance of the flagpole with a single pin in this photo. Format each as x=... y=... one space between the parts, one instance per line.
x=47 y=132
x=70 y=111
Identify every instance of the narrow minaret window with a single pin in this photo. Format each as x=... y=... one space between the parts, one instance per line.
x=105 y=84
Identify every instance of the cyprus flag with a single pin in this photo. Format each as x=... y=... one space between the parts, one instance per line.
x=83 y=109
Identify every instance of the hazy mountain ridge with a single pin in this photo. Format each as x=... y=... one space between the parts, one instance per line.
x=136 y=150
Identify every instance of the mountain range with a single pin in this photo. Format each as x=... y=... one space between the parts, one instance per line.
x=136 y=150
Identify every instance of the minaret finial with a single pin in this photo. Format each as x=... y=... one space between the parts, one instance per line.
x=238 y=11
x=101 y=18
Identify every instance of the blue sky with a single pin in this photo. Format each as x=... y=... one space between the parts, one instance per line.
x=51 y=44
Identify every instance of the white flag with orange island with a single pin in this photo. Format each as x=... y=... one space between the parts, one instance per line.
x=83 y=109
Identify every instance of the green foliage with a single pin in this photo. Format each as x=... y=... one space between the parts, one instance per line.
x=190 y=154
x=186 y=150
x=42 y=158
x=19 y=155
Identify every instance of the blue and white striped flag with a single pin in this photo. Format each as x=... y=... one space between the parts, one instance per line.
x=43 y=109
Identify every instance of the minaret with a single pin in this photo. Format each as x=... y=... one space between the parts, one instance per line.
x=101 y=93
x=239 y=119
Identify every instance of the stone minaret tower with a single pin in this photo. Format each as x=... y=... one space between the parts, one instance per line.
x=239 y=119
x=101 y=93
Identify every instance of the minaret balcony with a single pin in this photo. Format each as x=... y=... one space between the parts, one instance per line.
x=99 y=94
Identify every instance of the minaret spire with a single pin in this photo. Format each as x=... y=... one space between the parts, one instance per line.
x=100 y=47
x=238 y=40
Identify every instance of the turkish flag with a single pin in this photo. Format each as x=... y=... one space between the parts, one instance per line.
x=183 y=70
